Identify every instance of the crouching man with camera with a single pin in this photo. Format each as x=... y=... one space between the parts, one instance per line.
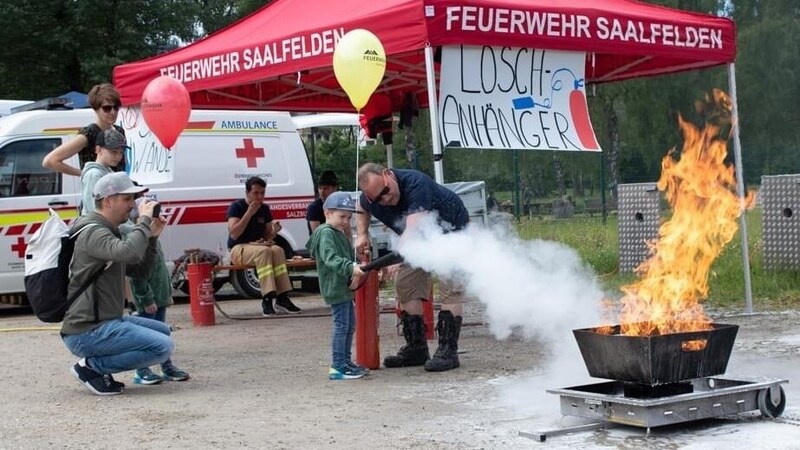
x=95 y=327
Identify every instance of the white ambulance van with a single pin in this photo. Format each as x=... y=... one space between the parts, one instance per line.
x=7 y=105
x=212 y=159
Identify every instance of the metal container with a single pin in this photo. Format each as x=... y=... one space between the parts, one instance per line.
x=657 y=359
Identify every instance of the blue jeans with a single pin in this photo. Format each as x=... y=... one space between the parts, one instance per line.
x=161 y=316
x=127 y=343
x=344 y=325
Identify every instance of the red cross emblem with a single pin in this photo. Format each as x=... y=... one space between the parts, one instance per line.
x=20 y=247
x=250 y=152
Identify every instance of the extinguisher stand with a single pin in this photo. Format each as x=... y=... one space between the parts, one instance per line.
x=427 y=317
x=201 y=293
x=367 y=317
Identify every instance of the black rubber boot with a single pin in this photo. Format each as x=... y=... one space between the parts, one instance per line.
x=415 y=352
x=446 y=356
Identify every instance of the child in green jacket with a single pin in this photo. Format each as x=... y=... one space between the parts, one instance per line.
x=330 y=246
x=152 y=296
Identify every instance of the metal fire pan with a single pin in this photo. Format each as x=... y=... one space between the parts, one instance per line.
x=657 y=359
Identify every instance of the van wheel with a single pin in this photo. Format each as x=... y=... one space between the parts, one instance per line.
x=246 y=281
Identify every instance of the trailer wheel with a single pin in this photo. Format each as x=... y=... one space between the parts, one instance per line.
x=767 y=407
x=246 y=281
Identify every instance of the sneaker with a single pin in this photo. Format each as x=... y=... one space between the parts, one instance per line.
x=285 y=305
x=172 y=373
x=114 y=382
x=344 y=373
x=266 y=307
x=146 y=376
x=100 y=384
x=356 y=368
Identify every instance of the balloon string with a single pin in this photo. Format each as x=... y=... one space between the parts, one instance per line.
x=358 y=199
x=358 y=156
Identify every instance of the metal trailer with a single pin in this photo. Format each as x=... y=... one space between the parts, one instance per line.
x=710 y=397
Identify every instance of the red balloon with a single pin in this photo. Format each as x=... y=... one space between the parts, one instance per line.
x=166 y=107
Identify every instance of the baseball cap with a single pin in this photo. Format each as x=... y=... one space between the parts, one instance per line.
x=114 y=184
x=111 y=139
x=328 y=178
x=340 y=200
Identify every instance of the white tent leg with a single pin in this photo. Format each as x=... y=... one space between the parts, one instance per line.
x=737 y=152
x=389 y=156
x=433 y=110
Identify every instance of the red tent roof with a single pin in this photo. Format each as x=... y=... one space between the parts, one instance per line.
x=280 y=57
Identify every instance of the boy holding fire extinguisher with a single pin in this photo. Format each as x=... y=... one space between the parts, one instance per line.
x=330 y=246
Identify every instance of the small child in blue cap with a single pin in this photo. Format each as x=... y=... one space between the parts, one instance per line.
x=338 y=272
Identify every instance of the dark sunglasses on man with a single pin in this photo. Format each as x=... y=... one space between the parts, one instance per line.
x=383 y=191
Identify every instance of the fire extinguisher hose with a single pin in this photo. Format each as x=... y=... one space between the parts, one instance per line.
x=384 y=261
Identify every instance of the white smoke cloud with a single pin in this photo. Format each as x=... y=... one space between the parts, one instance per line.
x=541 y=287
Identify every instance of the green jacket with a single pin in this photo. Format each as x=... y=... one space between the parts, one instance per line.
x=334 y=256
x=155 y=289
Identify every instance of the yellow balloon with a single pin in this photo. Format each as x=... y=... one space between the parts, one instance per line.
x=359 y=62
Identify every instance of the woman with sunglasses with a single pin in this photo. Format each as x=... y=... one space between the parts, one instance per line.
x=104 y=99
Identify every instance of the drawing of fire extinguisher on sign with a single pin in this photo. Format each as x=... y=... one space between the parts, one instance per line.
x=578 y=108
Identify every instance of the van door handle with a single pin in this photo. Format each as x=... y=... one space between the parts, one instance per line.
x=57 y=203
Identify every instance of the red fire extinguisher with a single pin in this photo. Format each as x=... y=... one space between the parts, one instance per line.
x=201 y=293
x=367 y=317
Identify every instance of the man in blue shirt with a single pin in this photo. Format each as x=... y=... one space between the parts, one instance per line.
x=399 y=198
x=251 y=240
x=327 y=185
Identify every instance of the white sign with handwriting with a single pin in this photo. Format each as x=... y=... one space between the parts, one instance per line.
x=148 y=162
x=514 y=98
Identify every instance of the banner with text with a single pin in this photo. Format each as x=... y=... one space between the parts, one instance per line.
x=148 y=162
x=514 y=98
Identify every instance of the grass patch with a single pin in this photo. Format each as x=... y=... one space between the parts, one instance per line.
x=598 y=243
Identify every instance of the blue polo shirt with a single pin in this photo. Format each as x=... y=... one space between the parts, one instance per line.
x=255 y=228
x=315 y=213
x=418 y=193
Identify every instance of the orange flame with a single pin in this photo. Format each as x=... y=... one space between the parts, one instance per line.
x=700 y=187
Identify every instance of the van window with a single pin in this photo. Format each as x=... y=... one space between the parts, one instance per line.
x=21 y=171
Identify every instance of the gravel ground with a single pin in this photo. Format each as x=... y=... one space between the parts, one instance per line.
x=262 y=384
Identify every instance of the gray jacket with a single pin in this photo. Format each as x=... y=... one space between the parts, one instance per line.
x=96 y=245
x=91 y=172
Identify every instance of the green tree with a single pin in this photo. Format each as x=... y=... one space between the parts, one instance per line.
x=51 y=46
x=766 y=71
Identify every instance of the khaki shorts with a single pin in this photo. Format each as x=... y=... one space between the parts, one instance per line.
x=415 y=284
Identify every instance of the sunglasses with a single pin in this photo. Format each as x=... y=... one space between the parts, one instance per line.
x=382 y=193
x=109 y=108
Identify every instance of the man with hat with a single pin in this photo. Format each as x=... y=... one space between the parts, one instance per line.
x=95 y=327
x=327 y=184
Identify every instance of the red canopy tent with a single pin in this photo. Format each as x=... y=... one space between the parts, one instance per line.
x=281 y=56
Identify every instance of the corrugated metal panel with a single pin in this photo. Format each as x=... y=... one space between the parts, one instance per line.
x=639 y=219
x=780 y=198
